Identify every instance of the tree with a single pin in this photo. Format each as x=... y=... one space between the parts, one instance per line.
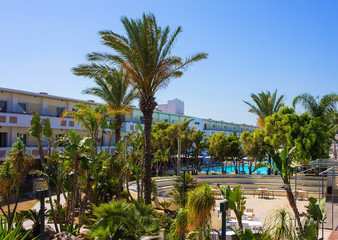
x=217 y=148
x=321 y=108
x=199 y=144
x=266 y=104
x=92 y=119
x=112 y=87
x=253 y=146
x=324 y=108
x=77 y=150
x=309 y=135
x=284 y=163
x=145 y=56
x=12 y=171
x=233 y=147
x=200 y=202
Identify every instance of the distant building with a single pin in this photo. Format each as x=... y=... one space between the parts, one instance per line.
x=17 y=108
x=175 y=106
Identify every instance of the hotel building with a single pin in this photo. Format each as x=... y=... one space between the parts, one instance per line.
x=17 y=108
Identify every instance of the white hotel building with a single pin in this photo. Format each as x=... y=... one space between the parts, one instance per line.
x=17 y=108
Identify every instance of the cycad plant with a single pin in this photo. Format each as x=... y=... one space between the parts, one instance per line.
x=145 y=54
x=122 y=220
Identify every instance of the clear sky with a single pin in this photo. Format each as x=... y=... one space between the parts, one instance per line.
x=253 y=46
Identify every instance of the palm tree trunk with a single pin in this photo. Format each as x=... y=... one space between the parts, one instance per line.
x=147 y=106
x=118 y=120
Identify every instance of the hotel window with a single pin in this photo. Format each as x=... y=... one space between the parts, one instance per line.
x=23 y=137
x=59 y=111
x=3 y=139
x=23 y=107
x=3 y=106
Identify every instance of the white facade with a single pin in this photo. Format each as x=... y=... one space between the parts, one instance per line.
x=17 y=108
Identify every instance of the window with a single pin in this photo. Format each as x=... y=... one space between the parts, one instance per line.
x=165 y=120
x=3 y=139
x=23 y=137
x=23 y=107
x=3 y=106
x=197 y=123
x=59 y=111
x=141 y=118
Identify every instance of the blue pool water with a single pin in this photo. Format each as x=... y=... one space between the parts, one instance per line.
x=263 y=170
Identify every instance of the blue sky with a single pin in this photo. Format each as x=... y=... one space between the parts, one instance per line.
x=253 y=46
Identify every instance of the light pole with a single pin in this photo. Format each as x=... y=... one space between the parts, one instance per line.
x=40 y=187
x=224 y=208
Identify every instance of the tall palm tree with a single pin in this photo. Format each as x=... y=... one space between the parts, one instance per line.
x=112 y=86
x=145 y=55
x=265 y=104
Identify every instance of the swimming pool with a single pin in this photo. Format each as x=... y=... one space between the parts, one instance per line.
x=262 y=170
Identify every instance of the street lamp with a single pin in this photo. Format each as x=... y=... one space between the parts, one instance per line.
x=39 y=187
x=224 y=208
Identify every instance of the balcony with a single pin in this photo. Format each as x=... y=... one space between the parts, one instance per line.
x=24 y=120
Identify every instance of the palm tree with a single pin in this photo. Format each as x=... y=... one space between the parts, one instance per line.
x=200 y=202
x=145 y=55
x=12 y=171
x=325 y=108
x=266 y=105
x=112 y=87
x=316 y=107
x=281 y=225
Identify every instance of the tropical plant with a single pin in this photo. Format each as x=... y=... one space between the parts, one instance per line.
x=284 y=163
x=112 y=87
x=280 y=224
x=122 y=220
x=200 y=202
x=177 y=192
x=315 y=215
x=265 y=104
x=77 y=150
x=253 y=146
x=325 y=108
x=316 y=107
x=236 y=201
x=145 y=56
x=307 y=134
x=12 y=171
x=179 y=227
x=8 y=232
x=34 y=216
x=92 y=119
